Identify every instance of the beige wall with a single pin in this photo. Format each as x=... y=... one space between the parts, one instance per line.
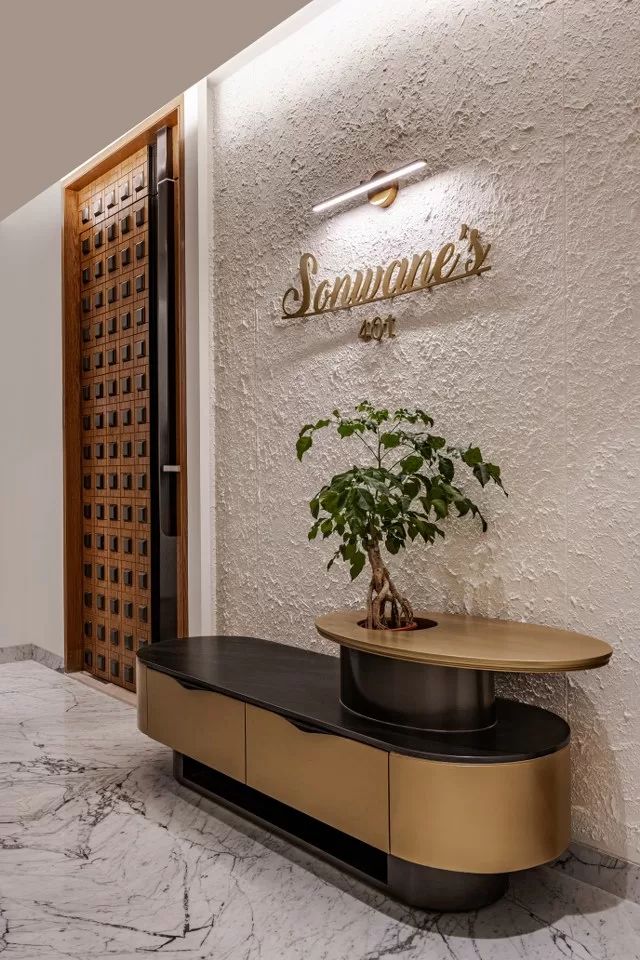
x=64 y=93
x=525 y=114
x=31 y=576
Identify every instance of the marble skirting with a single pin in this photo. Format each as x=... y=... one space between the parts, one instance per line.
x=31 y=651
x=104 y=855
x=612 y=874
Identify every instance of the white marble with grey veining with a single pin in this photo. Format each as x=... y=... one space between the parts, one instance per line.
x=103 y=855
x=613 y=874
x=16 y=651
x=48 y=659
x=31 y=651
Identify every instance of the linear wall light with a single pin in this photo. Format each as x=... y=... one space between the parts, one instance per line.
x=381 y=190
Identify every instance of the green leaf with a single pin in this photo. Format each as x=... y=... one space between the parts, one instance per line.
x=330 y=501
x=411 y=464
x=346 y=429
x=366 y=501
x=481 y=473
x=392 y=544
x=314 y=507
x=303 y=444
x=445 y=465
x=349 y=550
x=453 y=494
x=440 y=508
x=389 y=440
x=472 y=456
x=494 y=473
x=426 y=419
x=412 y=487
x=357 y=564
x=427 y=530
x=326 y=527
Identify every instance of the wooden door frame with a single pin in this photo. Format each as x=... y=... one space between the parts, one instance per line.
x=172 y=116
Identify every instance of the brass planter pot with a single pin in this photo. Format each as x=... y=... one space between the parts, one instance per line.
x=440 y=677
x=471 y=643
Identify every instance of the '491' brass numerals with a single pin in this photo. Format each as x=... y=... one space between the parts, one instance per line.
x=378 y=328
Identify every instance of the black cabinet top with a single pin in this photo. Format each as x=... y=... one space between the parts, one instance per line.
x=304 y=686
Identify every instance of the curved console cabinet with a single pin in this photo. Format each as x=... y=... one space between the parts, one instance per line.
x=437 y=819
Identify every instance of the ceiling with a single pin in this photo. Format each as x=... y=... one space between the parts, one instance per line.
x=76 y=75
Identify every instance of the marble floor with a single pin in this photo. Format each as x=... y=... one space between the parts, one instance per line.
x=102 y=854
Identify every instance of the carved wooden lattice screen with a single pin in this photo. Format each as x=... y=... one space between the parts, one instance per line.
x=113 y=225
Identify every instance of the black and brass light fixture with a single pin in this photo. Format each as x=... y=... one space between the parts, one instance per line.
x=381 y=190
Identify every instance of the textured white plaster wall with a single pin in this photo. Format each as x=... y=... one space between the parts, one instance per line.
x=527 y=115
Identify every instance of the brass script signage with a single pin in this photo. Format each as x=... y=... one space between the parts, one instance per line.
x=398 y=278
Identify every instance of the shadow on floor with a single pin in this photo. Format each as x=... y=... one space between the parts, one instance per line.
x=536 y=899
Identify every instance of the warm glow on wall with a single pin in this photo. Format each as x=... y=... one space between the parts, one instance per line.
x=381 y=189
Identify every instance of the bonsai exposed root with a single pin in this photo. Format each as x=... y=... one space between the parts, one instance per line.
x=386 y=607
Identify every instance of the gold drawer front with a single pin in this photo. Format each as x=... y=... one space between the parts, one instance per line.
x=480 y=818
x=199 y=723
x=339 y=781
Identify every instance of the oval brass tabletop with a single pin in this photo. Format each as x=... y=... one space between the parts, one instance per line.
x=473 y=643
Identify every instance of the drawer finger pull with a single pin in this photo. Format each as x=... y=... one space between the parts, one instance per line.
x=207 y=726
x=191 y=686
x=304 y=726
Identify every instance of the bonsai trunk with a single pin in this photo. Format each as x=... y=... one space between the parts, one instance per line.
x=385 y=606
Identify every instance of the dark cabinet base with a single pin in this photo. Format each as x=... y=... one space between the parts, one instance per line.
x=443 y=891
x=418 y=886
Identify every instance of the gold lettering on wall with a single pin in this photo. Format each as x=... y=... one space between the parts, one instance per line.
x=395 y=279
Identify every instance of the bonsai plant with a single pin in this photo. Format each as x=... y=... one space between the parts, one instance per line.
x=404 y=490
